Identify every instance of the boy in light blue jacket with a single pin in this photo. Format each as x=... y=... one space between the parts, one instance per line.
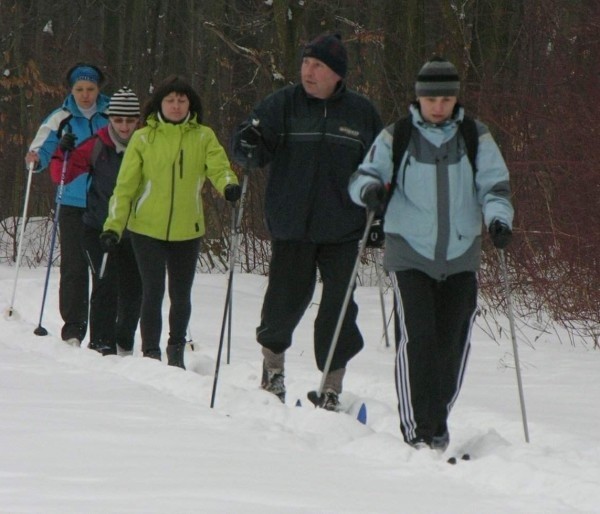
x=433 y=225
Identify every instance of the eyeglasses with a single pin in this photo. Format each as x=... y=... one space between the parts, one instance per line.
x=118 y=120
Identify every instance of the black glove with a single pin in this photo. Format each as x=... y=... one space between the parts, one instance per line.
x=373 y=195
x=232 y=192
x=67 y=142
x=500 y=234
x=250 y=137
x=109 y=240
x=376 y=238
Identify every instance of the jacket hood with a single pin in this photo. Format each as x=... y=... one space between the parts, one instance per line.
x=436 y=134
x=154 y=122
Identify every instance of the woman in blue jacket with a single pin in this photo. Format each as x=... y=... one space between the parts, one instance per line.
x=82 y=113
x=433 y=229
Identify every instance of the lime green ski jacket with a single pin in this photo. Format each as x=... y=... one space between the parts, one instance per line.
x=158 y=190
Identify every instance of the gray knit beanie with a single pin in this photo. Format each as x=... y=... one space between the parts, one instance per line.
x=437 y=77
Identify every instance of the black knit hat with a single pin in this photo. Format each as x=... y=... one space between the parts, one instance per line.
x=329 y=49
x=437 y=77
x=124 y=103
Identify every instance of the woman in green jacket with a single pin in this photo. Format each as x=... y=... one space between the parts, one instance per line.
x=158 y=199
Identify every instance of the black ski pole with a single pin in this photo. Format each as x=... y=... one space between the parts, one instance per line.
x=511 y=321
x=228 y=310
x=232 y=256
x=40 y=330
x=189 y=339
x=103 y=265
x=340 y=321
x=380 y=276
x=11 y=310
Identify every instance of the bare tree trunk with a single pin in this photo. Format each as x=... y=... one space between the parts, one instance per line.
x=288 y=16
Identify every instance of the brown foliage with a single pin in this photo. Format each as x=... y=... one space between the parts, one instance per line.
x=530 y=71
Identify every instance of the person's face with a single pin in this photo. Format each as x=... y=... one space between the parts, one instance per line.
x=175 y=106
x=85 y=93
x=437 y=109
x=124 y=125
x=318 y=79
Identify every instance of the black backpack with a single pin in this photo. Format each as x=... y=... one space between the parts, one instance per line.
x=401 y=138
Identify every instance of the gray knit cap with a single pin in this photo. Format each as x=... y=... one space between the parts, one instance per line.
x=437 y=77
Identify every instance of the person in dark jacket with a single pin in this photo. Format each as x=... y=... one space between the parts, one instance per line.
x=312 y=135
x=81 y=114
x=116 y=285
x=433 y=222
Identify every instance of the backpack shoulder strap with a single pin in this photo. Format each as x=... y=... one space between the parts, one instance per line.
x=65 y=123
x=98 y=145
x=400 y=141
x=401 y=138
x=468 y=129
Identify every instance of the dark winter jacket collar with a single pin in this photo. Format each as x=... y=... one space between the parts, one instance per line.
x=337 y=93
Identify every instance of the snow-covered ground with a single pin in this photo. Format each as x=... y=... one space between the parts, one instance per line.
x=84 y=433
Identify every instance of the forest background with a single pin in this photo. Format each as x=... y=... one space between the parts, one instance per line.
x=530 y=69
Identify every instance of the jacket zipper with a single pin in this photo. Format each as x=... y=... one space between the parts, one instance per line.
x=173 y=172
x=313 y=193
x=172 y=200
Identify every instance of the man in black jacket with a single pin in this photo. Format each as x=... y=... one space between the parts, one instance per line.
x=313 y=136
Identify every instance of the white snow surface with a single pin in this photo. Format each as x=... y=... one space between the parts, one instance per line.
x=82 y=433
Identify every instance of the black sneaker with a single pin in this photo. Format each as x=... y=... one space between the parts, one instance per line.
x=440 y=442
x=330 y=400
x=102 y=347
x=175 y=354
x=419 y=443
x=73 y=341
x=273 y=382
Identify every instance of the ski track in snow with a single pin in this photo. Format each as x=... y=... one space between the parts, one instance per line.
x=557 y=472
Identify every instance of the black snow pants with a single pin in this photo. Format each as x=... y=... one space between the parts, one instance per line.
x=292 y=280
x=178 y=258
x=73 y=294
x=116 y=297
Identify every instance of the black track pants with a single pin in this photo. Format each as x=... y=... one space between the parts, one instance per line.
x=433 y=321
